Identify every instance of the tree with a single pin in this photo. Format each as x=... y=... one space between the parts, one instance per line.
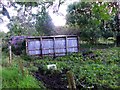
x=44 y=25
x=25 y=18
x=27 y=23
x=2 y=34
x=113 y=24
x=43 y=22
x=89 y=16
x=17 y=27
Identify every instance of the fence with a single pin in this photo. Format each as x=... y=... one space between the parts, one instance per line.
x=52 y=45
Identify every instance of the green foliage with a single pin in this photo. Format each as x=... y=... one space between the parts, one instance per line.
x=35 y=3
x=5 y=47
x=89 y=17
x=29 y=82
x=13 y=78
x=44 y=25
x=10 y=75
x=16 y=30
x=101 y=72
x=19 y=48
x=2 y=34
x=25 y=57
x=28 y=3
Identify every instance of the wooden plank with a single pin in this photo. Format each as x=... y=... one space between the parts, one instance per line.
x=56 y=36
x=26 y=41
x=54 y=47
x=10 y=54
x=66 y=45
x=78 y=43
x=41 y=46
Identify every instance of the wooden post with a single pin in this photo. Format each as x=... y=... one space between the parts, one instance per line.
x=71 y=81
x=10 y=55
x=78 y=43
x=66 y=45
x=54 y=47
x=41 y=47
x=26 y=42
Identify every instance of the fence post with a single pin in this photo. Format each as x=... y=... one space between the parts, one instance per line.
x=54 y=47
x=66 y=45
x=78 y=38
x=71 y=81
x=41 y=47
x=26 y=42
x=10 y=55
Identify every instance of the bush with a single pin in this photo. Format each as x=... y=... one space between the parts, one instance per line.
x=19 y=47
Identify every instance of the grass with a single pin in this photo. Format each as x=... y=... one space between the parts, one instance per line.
x=0 y=77
x=0 y=64
x=102 y=44
x=13 y=78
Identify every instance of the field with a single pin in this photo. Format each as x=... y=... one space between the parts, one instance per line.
x=93 y=67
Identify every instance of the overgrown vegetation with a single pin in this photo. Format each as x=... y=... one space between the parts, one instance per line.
x=94 y=19
x=97 y=66
x=12 y=76
x=101 y=72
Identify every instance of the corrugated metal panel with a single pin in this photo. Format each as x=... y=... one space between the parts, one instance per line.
x=60 y=49
x=34 y=47
x=52 y=46
x=47 y=46
x=72 y=44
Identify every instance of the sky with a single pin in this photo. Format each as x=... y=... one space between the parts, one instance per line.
x=57 y=19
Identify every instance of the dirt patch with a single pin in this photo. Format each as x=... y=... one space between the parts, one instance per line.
x=53 y=81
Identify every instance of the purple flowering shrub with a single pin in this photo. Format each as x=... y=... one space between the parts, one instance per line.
x=18 y=44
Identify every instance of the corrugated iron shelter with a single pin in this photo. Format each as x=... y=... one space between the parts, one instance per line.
x=59 y=45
